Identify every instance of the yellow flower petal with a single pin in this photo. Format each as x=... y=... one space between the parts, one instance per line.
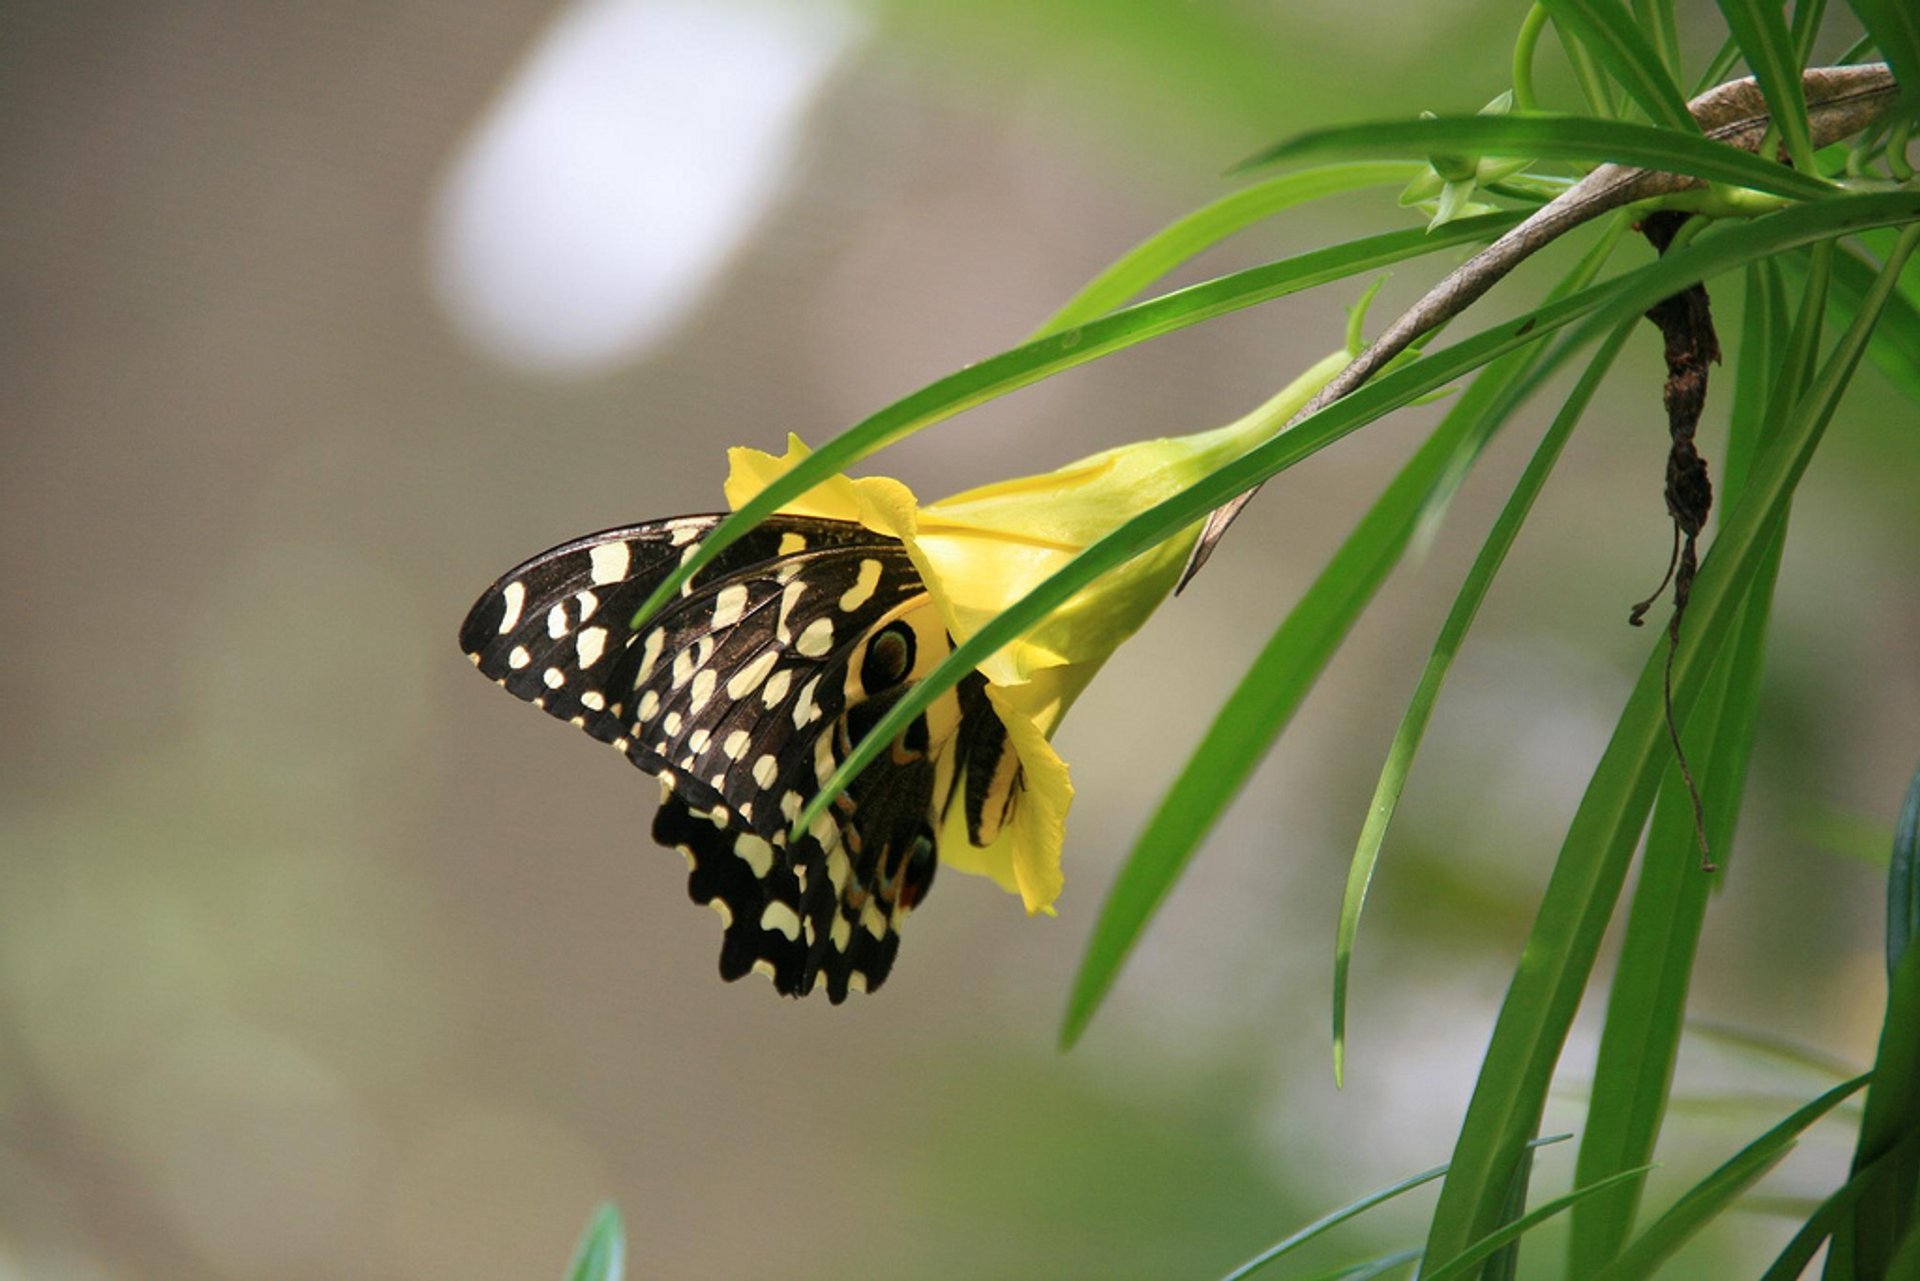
x=1024 y=858
x=881 y=504
x=980 y=551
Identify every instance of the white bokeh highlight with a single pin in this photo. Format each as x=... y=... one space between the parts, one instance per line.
x=618 y=169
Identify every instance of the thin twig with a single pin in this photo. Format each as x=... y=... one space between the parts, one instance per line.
x=1840 y=102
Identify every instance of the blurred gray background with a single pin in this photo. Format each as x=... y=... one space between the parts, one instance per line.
x=319 y=957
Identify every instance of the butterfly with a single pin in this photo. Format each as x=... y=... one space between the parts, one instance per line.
x=742 y=695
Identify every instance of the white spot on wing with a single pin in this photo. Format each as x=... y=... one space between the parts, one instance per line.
x=736 y=744
x=610 y=562
x=591 y=644
x=519 y=657
x=776 y=688
x=748 y=678
x=806 y=711
x=755 y=853
x=817 y=639
x=649 y=706
x=789 y=597
x=557 y=623
x=766 y=770
x=554 y=678
x=779 y=916
x=588 y=603
x=863 y=586
x=514 y=595
x=594 y=701
x=703 y=685
x=650 y=654
x=729 y=605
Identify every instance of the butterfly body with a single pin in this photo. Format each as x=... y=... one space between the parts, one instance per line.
x=742 y=696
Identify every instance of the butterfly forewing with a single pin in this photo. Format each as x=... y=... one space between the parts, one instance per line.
x=742 y=695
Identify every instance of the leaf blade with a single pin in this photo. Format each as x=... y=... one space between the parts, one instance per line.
x=1207 y=226
x=1585 y=884
x=1578 y=138
x=1606 y=29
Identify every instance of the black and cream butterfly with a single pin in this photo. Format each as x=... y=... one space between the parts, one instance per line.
x=742 y=696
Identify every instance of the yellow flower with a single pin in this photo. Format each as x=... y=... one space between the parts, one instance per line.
x=982 y=550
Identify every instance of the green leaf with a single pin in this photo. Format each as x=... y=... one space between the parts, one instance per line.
x=1762 y=32
x=1466 y=605
x=1286 y=668
x=1207 y=226
x=1629 y=295
x=1352 y=1210
x=1580 y=895
x=1368 y=1269
x=1646 y=1003
x=1895 y=28
x=1032 y=361
x=1605 y=27
x=1793 y=1260
x=1865 y=1239
x=1470 y=1257
x=1706 y=1200
x=1896 y=340
x=1903 y=878
x=1273 y=688
x=602 y=1252
x=1806 y=26
x=1578 y=138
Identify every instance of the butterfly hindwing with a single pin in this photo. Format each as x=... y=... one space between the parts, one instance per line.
x=742 y=695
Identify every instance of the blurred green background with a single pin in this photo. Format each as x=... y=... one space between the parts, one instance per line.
x=320 y=957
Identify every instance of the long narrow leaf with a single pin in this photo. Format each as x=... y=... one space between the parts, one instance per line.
x=1470 y=1257
x=1333 y=1219
x=1646 y=1004
x=1272 y=688
x=1352 y=1210
x=1032 y=361
x=1605 y=27
x=1292 y=659
x=1555 y=138
x=601 y=1254
x=1865 y=1239
x=1629 y=295
x=1466 y=605
x=1896 y=340
x=1580 y=895
x=1792 y=1261
x=1903 y=878
x=1207 y=226
x=1370 y=1268
x=1706 y=1200
x=1895 y=28
x=1762 y=32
